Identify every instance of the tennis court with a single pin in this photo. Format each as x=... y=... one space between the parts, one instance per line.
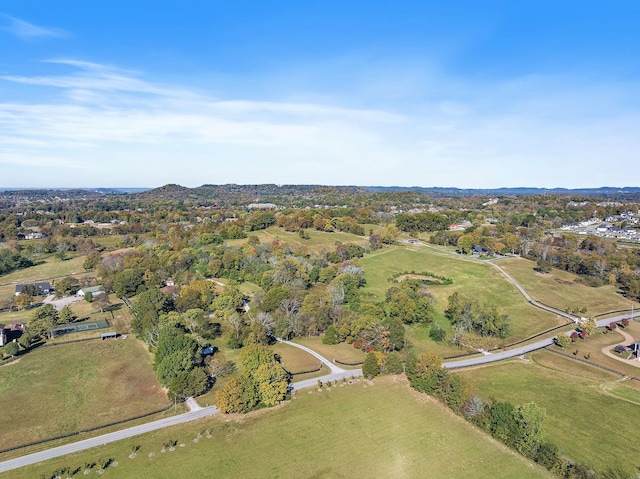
x=80 y=327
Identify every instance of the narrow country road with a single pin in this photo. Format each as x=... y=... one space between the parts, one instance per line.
x=337 y=373
x=323 y=360
x=196 y=412
x=512 y=353
x=105 y=439
x=532 y=301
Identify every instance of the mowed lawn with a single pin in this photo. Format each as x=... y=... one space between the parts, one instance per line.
x=560 y=289
x=49 y=267
x=61 y=389
x=343 y=352
x=473 y=278
x=358 y=430
x=590 y=416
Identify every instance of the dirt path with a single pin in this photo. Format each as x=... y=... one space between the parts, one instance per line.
x=628 y=339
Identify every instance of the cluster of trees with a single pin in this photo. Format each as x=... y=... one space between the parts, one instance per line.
x=176 y=333
x=46 y=318
x=12 y=260
x=377 y=362
x=595 y=259
x=263 y=382
x=495 y=239
x=178 y=362
x=426 y=374
x=410 y=302
x=470 y=315
x=421 y=222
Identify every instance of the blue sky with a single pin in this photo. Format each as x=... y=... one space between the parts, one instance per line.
x=466 y=94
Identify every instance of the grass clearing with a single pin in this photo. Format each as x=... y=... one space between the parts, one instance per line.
x=560 y=289
x=384 y=429
x=470 y=277
x=317 y=241
x=62 y=389
x=48 y=268
x=343 y=352
x=587 y=422
x=294 y=359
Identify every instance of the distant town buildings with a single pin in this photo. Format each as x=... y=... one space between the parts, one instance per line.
x=625 y=226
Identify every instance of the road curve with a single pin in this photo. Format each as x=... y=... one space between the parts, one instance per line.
x=535 y=303
x=334 y=369
x=512 y=353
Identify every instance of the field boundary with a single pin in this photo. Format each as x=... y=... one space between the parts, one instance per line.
x=347 y=364
x=306 y=372
x=91 y=429
x=591 y=363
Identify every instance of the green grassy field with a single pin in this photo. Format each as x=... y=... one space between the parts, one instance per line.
x=592 y=347
x=49 y=268
x=359 y=430
x=469 y=277
x=560 y=290
x=61 y=389
x=342 y=352
x=591 y=416
x=316 y=242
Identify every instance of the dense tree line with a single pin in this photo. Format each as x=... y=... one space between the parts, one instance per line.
x=518 y=426
x=11 y=261
x=421 y=222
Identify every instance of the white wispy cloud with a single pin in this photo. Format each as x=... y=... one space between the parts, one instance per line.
x=29 y=31
x=116 y=127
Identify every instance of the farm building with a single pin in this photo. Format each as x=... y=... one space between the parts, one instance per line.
x=94 y=290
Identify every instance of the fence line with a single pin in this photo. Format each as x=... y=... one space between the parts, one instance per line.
x=91 y=429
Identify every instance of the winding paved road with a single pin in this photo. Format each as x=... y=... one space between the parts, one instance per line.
x=337 y=373
x=334 y=369
x=512 y=353
x=535 y=303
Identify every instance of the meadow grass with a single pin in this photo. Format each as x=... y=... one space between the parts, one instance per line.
x=592 y=347
x=317 y=241
x=587 y=422
x=61 y=389
x=342 y=352
x=561 y=290
x=379 y=429
x=294 y=359
x=48 y=268
x=470 y=277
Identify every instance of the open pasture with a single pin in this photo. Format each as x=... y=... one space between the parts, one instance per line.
x=343 y=352
x=379 y=429
x=589 y=423
x=317 y=241
x=561 y=290
x=469 y=277
x=48 y=268
x=61 y=389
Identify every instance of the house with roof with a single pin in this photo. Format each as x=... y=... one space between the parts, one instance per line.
x=94 y=290
x=12 y=332
x=34 y=289
x=32 y=236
